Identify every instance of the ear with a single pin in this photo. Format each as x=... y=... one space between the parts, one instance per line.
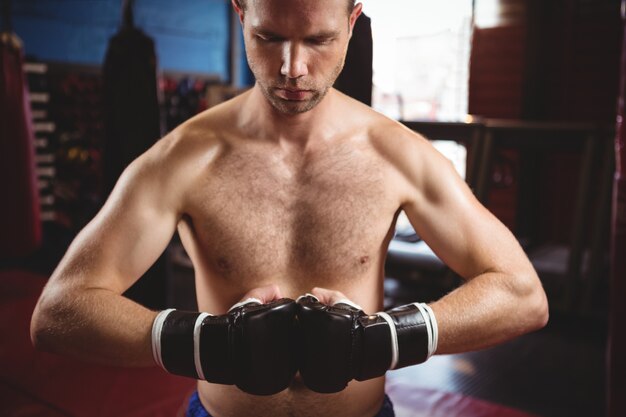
x=238 y=10
x=356 y=12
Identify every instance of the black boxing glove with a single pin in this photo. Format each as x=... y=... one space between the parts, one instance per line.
x=251 y=346
x=339 y=343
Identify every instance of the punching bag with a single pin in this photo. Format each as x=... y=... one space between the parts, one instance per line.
x=131 y=107
x=355 y=79
x=20 y=224
x=132 y=124
x=616 y=364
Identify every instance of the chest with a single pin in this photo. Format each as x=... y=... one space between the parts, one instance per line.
x=256 y=215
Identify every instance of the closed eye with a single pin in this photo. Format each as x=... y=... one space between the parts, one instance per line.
x=320 y=41
x=269 y=38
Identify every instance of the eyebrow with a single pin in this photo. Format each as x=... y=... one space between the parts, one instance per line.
x=325 y=34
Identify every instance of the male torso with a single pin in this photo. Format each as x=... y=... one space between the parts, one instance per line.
x=260 y=212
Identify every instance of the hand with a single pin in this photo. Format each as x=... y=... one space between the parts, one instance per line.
x=251 y=346
x=265 y=294
x=259 y=295
x=329 y=297
x=332 y=329
x=339 y=342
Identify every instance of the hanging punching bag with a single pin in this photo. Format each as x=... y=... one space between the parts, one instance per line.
x=20 y=225
x=616 y=364
x=132 y=120
x=131 y=107
x=355 y=79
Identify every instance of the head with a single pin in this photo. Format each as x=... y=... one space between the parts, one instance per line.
x=241 y=4
x=296 y=48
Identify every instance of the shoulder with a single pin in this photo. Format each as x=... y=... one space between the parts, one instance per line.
x=176 y=162
x=389 y=137
x=411 y=155
x=196 y=141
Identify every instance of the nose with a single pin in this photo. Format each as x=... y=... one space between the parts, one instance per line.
x=294 y=61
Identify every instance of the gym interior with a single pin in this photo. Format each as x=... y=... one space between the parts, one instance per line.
x=526 y=97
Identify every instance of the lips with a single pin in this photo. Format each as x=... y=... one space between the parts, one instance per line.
x=293 y=95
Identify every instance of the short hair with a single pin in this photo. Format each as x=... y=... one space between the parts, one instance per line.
x=242 y=4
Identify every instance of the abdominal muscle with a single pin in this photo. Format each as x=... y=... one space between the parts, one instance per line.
x=359 y=399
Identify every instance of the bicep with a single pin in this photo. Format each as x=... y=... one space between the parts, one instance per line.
x=126 y=237
x=457 y=227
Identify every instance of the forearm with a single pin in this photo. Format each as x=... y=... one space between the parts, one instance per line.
x=489 y=309
x=94 y=325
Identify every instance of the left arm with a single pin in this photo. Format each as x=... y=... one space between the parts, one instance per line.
x=502 y=296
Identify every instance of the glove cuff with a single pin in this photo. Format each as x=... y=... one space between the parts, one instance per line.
x=176 y=338
x=414 y=334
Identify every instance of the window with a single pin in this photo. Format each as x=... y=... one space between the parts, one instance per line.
x=421 y=58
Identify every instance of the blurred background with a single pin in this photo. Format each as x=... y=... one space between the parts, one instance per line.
x=526 y=97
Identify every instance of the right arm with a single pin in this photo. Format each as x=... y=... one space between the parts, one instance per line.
x=81 y=311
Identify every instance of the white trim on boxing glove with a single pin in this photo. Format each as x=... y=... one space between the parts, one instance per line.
x=307 y=295
x=395 y=351
x=249 y=300
x=197 y=360
x=431 y=327
x=348 y=302
x=157 y=326
x=435 y=330
x=428 y=324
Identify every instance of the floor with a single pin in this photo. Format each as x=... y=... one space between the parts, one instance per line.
x=558 y=371
x=34 y=383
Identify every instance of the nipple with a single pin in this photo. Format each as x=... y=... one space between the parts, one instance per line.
x=223 y=264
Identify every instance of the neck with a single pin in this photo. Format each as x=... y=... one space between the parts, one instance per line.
x=263 y=121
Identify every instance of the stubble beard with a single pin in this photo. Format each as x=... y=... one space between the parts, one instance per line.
x=293 y=107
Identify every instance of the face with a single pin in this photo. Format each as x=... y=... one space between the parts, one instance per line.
x=296 y=48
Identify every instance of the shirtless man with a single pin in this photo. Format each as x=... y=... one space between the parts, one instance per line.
x=287 y=189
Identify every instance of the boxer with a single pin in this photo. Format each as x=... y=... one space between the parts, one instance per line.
x=288 y=189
